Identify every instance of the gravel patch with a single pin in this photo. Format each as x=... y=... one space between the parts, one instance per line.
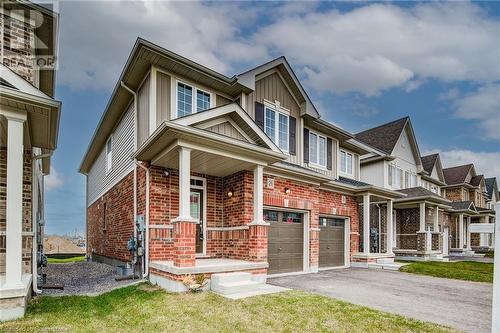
x=83 y=278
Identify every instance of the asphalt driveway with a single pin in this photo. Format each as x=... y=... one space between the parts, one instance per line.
x=460 y=304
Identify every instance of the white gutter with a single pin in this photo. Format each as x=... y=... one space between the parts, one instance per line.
x=146 y=236
x=134 y=94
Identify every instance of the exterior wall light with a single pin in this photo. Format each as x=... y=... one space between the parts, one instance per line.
x=287 y=190
x=230 y=193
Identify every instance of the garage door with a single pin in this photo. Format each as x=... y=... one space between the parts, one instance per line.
x=331 y=242
x=285 y=242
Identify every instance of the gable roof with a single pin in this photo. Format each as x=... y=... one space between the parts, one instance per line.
x=422 y=193
x=241 y=118
x=476 y=180
x=281 y=63
x=428 y=162
x=384 y=137
x=463 y=206
x=457 y=174
x=491 y=187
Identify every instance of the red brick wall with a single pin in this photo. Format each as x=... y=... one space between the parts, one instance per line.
x=455 y=194
x=27 y=209
x=18 y=53
x=111 y=241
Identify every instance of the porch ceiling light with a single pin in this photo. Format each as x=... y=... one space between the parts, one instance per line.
x=287 y=190
x=230 y=193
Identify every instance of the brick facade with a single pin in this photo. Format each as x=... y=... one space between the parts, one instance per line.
x=18 y=53
x=27 y=227
x=230 y=233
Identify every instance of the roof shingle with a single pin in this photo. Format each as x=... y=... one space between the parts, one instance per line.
x=490 y=186
x=456 y=175
x=384 y=137
x=428 y=162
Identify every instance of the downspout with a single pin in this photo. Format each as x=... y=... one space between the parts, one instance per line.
x=146 y=236
x=35 y=192
x=134 y=94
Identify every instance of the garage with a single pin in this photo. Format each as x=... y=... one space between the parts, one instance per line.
x=285 y=241
x=331 y=242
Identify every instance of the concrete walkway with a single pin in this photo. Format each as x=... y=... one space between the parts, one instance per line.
x=460 y=304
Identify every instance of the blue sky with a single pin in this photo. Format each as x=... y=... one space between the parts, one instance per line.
x=362 y=63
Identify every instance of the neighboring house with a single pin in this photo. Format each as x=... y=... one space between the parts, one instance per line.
x=397 y=165
x=493 y=196
x=241 y=169
x=29 y=122
x=469 y=194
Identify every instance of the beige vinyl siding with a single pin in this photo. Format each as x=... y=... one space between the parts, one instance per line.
x=227 y=129
x=98 y=181
x=163 y=93
x=143 y=110
x=221 y=100
x=272 y=88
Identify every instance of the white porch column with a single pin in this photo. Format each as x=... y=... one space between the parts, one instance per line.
x=258 y=195
x=184 y=184
x=468 y=233
x=15 y=150
x=461 y=231
x=366 y=223
x=436 y=220
x=422 y=217
x=390 y=228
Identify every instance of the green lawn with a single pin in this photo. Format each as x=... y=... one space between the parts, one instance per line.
x=461 y=270
x=65 y=260
x=144 y=308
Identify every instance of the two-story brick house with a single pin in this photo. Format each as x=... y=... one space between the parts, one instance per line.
x=222 y=174
x=29 y=121
x=398 y=165
x=469 y=194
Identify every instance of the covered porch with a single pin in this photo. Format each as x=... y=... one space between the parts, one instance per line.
x=463 y=213
x=483 y=230
x=29 y=122
x=420 y=226
x=206 y=198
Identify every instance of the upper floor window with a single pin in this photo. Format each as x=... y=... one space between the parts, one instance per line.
x=395 y=176
x=410 y=179
x=276 y=126
x=109 y=155
x=317 y=149
x=346 y=162
x=191 y=99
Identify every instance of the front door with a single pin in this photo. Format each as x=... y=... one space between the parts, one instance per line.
x=196 y=209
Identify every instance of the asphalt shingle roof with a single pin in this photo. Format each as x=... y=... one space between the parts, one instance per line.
x=476 y=180
x=428 y=162
x=456 y=175
x=384 y=137
x=490 y=186
x=460 y=205
x=352 y=182
x=419 y=191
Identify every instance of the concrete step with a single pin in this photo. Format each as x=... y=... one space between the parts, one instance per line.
x=264 y=289
x=230 y=277
x=235 y=287
x=390 y=267
x=385 y=261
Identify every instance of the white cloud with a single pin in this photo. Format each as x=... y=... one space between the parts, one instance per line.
x=380 y=46
x=487 y=163
x=53 y=180
x=368 y=49
x=483 y=107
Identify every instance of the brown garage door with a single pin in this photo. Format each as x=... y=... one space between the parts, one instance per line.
x=285 y=242
x=331 y=242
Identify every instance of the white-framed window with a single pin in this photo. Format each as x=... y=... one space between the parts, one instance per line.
x=346 y=162
x=395 y=176
x=276 y=126
x=109 y=154
x=410 y=179
x=317 y=149
x=191 y=99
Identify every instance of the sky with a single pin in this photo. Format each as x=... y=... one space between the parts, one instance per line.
x=362 y=63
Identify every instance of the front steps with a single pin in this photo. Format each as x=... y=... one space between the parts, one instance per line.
x=240 y=285
x=385 y=263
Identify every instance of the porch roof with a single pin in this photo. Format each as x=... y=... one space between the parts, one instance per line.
x=215 y=154
x=418 y=194
x=360 y=188
x=467 y=207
